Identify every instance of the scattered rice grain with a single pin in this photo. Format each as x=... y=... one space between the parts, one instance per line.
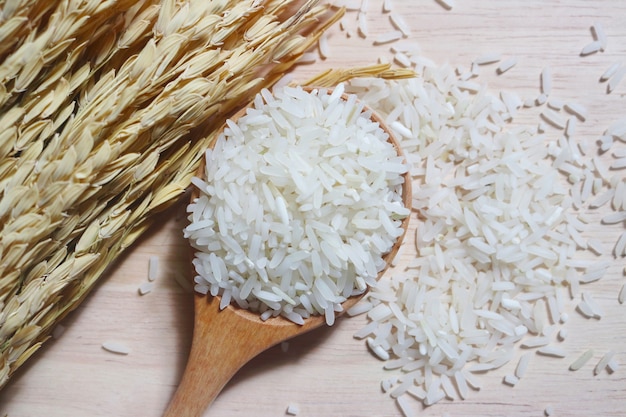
x=145 y=288
x=510 y=380
x=615 y=79
x=293 y=409
x=610 y=71
x=553 y=351
x=600 y=35
x=506 y=65
x=388 y=37
x=446 y=4
x=591 y=48
x=603 y=362
x=116 y=347
x=153 y=267
x=581 y=360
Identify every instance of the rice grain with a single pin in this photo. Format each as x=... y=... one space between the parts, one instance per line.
x=116 y=347
x=591 y=48
x=506 y=65
x=603 y=362
x=610 y=71
x=615 y=79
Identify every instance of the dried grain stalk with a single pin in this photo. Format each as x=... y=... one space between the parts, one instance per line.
x=110 y=130
x=106 y=128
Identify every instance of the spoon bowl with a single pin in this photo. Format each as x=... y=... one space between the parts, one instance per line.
x=226 y=339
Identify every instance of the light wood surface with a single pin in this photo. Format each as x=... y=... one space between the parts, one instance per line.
x=327 y=372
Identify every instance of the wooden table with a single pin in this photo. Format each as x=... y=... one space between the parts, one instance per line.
x=328 y=372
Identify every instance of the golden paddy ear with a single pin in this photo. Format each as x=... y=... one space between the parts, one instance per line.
x=101 y=109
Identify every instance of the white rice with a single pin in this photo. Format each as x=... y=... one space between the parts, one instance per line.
x=292 y=410
x=446 y=4
x=116 y=347
x=553 y=351
x=612 y=365
x=522 y=365
x=555 y=103
x=554 y=118
x=581 y=360
x=546 y=81
x=300 y=201
x=493 y=253
x=510 y=379
x=153 y=267
x=603 y=362
x=309 y=58
x=490 y=58
x=599 y=35
x=506 y=65
x=620 y=246
x=541 y=99
x=362 y=25
x=324 y=48
x=402 y=59
x=615 y=79
x=388 y=37
x=145 y=288
x=591 y=48
x=405 y=406
x=619 y=163
x=610 y=71
x=461 y=199
x=399 y=23
x=577 y=110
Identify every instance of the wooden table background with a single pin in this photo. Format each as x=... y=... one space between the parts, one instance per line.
x=327 y=372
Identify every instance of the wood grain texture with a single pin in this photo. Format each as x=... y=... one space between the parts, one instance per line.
x=327 y=372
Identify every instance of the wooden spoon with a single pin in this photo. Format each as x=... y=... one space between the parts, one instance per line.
x=224 y=340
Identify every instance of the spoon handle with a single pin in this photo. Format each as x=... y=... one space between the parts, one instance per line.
x=223 y=341
x=220 y=346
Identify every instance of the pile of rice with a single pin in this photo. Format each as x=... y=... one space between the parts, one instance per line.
x=300 y=200
x=498 y=242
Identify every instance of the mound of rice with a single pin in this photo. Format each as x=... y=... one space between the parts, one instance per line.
x=299 y=202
